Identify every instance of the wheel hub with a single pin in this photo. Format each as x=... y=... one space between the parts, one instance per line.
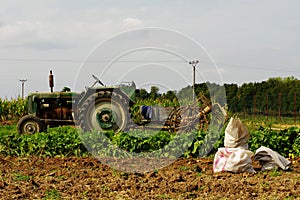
x=106 y=118
x=30 y=128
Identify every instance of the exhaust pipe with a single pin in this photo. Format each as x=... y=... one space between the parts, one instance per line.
x=51 y=81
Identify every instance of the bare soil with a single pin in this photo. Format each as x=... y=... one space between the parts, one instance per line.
x=87 y=178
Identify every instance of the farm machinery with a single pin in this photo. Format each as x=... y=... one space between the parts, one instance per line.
x=105 y=108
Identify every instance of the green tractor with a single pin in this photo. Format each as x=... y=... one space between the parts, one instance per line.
x=107 y=108
x=97 y=108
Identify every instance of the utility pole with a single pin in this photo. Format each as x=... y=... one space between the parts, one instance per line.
x=194 y=63
x=23 y=83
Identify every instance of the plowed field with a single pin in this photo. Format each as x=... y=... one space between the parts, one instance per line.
x=87 y=178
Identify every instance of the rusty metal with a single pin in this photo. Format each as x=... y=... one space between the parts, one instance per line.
x=190 y=117
x=51 y=81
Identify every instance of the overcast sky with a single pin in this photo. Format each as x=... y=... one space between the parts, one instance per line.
x=241 y=41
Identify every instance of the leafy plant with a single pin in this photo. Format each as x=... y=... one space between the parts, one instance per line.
x=68 y=141
x=275 y=173
x=52 y=194
x=60 y=141
x=21 y=177
x=284 y=141
x=12 y=110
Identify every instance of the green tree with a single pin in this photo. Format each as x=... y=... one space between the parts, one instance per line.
x=231 y=95
x=170 y=94
x=154 y=92
x=142 y=94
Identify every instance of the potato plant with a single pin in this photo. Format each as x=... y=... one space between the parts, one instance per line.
x=66 y=141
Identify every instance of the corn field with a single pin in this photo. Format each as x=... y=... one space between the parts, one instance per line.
x=12 y=110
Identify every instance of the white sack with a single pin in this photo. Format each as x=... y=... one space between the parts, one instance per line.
x=270 y=159
x=236 y=134
x=233 y=160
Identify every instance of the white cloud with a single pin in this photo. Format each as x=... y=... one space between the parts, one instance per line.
x=260 y=33
x=17 y=30
x=58 y=29
x=132 y=22
x=31 y=34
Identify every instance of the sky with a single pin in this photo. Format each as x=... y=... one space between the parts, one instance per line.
x=149 y=42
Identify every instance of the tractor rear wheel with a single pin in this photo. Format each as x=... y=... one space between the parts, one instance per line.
x=30 y=124
x=104 y=111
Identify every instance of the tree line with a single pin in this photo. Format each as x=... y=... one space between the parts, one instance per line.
x=271 y=97
x=274 y=96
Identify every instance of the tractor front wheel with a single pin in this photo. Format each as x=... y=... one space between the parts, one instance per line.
x=30 y=124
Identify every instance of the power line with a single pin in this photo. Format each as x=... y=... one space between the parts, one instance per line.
x=256 y=68
x=80 y=61
x=154 y=61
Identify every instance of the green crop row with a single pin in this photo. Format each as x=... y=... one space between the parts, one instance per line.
x=286 y=142
x=59 y=141
x=12 y=110
x=68 y=141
